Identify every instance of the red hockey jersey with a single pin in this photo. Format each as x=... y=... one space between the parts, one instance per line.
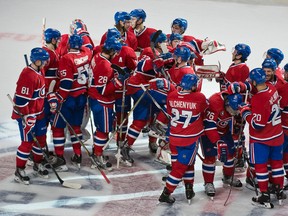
x=187 y=111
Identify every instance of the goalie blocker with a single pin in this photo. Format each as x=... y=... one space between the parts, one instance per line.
x=208 y=71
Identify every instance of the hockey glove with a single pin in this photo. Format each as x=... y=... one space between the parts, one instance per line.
x=234 y=88
x=237 y=87
x=54 y=100
x=158 y=64
x=244 y=110
x=159 y=83
x=168 y=60
x=29 y=122
x=222 y=151
x=117 y=83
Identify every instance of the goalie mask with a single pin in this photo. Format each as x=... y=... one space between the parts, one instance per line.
x=77 y=26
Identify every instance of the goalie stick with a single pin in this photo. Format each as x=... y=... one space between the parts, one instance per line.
x=62 y=182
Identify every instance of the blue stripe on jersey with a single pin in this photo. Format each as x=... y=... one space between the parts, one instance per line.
x=66 y=84
x=51 y=73
x=21 y=101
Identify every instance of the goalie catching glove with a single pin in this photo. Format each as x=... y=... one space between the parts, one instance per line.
x=159 y=84
x=212 y=46
x=54 y=99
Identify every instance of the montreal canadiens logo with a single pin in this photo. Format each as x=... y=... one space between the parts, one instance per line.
x=42 y=92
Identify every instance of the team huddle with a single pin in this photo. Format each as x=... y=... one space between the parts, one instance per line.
x=155 y=78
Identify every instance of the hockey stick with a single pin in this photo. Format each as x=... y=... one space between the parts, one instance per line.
x=155 y=102
x=82 y=144
x=62 y=182
x=235 y=161
x=43 y=31
x=124 y=120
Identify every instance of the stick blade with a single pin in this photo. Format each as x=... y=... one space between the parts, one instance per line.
x=71 y=185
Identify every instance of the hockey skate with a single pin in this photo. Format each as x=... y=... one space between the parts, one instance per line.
x=210 y=190
x=102 y=162
x=262 y=201
x=240 y=166
x=40 y=170
x=30 y=161
x=60 y=164
x=251 y=183
x=125 y=155
x=21 y=177
x=165 y=197
x=279 y=193
x=189 y=192
x=153 y=147
x=76 y=159
x=227 y=181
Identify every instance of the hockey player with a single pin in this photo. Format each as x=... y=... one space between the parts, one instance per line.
x=269 y=65
x=187 y=108
x=218 y=140
x=103 y=86
x=142 y=33
x=148 y=67
x=78 y=27
x=70 y=99
x=284 y=119
x=122 y=24
x=285 y=69
x=127 y=60
x=201 y=47
x=278 y=56
x=173 y=40
x=266 y=136
x=237 y=72
x=28 y=111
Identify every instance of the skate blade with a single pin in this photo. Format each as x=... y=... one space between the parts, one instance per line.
x=263 y=205
x=18 y=180
x=126 y=163
x=35 y=173
x=240 y=170
x=189 y=201
x=61 y=169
